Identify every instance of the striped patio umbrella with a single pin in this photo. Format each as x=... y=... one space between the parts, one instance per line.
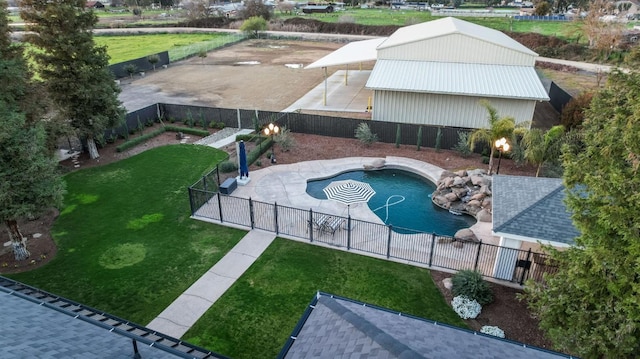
x=349 y=192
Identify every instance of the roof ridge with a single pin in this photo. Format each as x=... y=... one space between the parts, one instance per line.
x=378 y=335
x=524 y=210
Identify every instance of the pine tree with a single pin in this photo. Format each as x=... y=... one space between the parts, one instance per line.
x=73 y=68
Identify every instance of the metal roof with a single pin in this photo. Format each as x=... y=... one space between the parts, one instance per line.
x=532 y=208
x=483 y=80
x=353 y=52
x=335 y=327
x=451 y=25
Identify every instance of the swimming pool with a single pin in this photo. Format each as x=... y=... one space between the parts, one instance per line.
x=402 y=199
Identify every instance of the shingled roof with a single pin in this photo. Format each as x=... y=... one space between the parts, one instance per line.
x=532 y=209
x=38 y=324
x=335 y=327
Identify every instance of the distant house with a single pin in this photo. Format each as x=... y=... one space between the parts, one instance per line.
x=94 y=5
x=335 y=327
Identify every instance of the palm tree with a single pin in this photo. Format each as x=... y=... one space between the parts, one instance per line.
x=542 y=147
x=499 y=127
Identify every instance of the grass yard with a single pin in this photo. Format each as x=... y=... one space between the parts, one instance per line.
x=125 y=241
x=258 y=313
x=128 y=47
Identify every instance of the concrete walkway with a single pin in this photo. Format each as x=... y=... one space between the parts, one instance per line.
x=178 y=317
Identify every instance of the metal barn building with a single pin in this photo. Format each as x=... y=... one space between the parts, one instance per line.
x=437 y=72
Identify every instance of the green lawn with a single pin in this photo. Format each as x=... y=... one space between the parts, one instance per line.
x=126 y=243
x=258 y=313
x=128 y=47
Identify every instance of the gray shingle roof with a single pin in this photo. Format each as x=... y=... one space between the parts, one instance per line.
x=33 y=327
x=337 y=327
x=532 y=207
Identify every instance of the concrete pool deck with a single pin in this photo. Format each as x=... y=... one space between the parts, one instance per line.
x=286 y=185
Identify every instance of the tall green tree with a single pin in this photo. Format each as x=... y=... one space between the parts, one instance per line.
x=543 y=146
x=499 y=127
x=72 y=67
x=590 y=306
x=29 y=182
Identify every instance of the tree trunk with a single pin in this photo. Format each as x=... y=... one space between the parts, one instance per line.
x=491 y=160
x=93 y=150
x=18 y=242
x=538 y=170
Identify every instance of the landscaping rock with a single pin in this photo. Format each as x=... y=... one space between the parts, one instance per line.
x=466 y=235
x=484 y=216
x=457 y=182
x=448 y=283
x=461 y=173
x=451 y=196
x=463 y=191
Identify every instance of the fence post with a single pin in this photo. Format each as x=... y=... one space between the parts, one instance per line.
x=218 y=174
x=191 y=204
x=275 y=216
x=349 y=232
x=251 y=215
x=389 y=242
x=525 y=269
x=310 y=225
x=220 y=206
x=433 y=247
x=475 y=266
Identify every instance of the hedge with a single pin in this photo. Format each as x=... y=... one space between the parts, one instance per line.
x=138 y=140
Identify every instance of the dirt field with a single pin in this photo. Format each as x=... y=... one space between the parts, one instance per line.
x=221 y=80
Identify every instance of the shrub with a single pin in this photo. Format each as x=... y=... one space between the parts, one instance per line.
x=285 y=139
x=220 y=125
x=470 y=284
x=364 y=134
x=398 y=136
x=573 y=112
x=253 y=25
x=462 y=147
x=153 y=60
x=439 y=140
x=130 y=69
x=419 y=143
x=227 y=166
x=466 y=308
x=485 y=160
x=191 y=131
x=492 y=330
x=138 y=140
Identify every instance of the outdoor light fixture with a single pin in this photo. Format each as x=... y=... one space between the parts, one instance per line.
x=272 y=130
x=502 y=146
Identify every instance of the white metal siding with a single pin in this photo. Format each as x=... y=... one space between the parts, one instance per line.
x=445 y=110
x=457 y=48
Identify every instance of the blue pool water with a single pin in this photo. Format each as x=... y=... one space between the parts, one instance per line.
x=402 y=199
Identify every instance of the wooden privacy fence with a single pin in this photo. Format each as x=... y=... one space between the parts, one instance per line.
x=365 y=237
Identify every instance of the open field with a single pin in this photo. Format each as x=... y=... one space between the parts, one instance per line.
x=126 y=47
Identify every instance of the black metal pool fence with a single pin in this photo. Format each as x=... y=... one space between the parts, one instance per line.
x=431 y=249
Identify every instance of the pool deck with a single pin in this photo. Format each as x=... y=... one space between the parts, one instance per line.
x=285 y=184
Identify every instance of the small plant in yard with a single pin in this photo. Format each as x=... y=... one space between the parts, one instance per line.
x=470 y=284
x=465 y=307
x=228 y=166
x=130 y=69
x=153 y=60
x=419 y=143
x=462 y=147
x=285 y=139
x=202 y=54
x=398 y=136
x=364 y=134
x=492 y=330
x=439 y=140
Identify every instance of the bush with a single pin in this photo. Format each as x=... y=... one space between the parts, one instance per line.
x=439 y=140
x=573 y=112
x=364 y=134
x=253 y=25
x=191 y=131
x=462 y=147
x=470 y=284
x=466 y=308
x=227 y=166
x=492 y=330
x=485 y=160
x=285 y=139
x=138 y=140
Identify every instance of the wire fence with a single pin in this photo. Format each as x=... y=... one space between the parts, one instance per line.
x=430 y=249
x=220 y=40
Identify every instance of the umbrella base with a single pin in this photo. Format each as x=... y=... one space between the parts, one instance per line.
x=242 y=181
